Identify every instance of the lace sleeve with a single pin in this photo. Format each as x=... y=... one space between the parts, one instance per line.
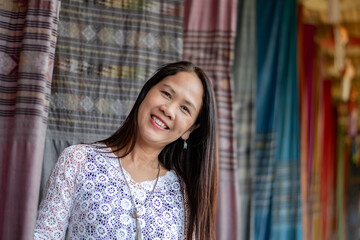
x=54 y=210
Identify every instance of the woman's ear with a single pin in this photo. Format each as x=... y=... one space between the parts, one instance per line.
x=186 y=135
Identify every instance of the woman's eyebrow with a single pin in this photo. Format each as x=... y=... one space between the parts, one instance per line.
x=170 y=88
x=190 y=104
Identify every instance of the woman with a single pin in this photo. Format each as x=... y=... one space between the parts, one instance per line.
x=154 y=178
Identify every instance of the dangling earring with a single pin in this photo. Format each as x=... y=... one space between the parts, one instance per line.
x=185 y=144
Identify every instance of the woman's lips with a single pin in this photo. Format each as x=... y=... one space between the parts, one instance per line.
x=157 y=122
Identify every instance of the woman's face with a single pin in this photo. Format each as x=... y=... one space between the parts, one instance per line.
x=170 y=109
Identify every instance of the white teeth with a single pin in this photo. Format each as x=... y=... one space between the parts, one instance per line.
x=158 y=122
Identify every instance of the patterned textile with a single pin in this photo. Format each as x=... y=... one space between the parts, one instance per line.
x=277 y=199
x=27 y=46
x=244 y=71
x=106 y=50
x=209 y=34
x=93 y=201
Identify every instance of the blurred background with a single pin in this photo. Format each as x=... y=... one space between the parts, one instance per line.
x=286 y=78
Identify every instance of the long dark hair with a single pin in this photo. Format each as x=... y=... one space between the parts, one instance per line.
x=197 y=165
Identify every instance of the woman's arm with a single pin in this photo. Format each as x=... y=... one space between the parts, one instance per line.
x=55 y=208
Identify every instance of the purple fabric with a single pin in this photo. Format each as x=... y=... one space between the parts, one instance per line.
x=27 y=47
x=209 y=35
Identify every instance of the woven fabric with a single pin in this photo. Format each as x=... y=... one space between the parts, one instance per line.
x=209 y=35
x=106 y=51
x=277 y=198
x=244 y=71
x=27 y=46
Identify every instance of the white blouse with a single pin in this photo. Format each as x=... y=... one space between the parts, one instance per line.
x=87 y=198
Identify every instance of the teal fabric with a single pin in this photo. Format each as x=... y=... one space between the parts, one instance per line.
x=277 y=195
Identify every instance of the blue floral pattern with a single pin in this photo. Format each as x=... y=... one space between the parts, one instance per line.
x=87 y=198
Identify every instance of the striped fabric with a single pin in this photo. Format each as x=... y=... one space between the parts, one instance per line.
x=209 y=34
x=27 y=45
x=244 y=71
x=277 y=205
x=105 y=52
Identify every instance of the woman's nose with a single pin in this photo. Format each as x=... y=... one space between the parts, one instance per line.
x=169 y=110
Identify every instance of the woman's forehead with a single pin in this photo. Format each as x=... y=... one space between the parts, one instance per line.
x=184 y=81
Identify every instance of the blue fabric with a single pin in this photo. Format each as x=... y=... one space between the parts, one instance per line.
x=277 y=204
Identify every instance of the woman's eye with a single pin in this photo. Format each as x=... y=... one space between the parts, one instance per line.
x=166 y=94
x=185 y=108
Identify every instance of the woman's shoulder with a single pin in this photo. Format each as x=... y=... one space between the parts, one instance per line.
x=172 y=181
x=85 y=148
x=80 y=152
x=171 y=176
x=81 y=155
x=75 y=150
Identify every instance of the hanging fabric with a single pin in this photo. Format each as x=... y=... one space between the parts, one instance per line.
x=209 y=34
x=277 y=201
x=327 y=162
x=27 y=47
x=306 y=53
x=244 y=72
x=106 y=51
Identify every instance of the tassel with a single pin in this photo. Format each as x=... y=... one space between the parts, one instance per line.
x=136 y=215
x=138 y=230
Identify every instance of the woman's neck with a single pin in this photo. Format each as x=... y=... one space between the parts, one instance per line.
x=142 y=163
x=143 y=158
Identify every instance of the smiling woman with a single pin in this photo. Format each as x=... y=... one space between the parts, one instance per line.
x=171 y=106
x=154 y=178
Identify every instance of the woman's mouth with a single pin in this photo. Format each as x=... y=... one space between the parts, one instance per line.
x=159 y=122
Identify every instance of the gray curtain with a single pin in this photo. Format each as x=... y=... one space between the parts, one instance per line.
x=105 y=52
x=244 y=71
